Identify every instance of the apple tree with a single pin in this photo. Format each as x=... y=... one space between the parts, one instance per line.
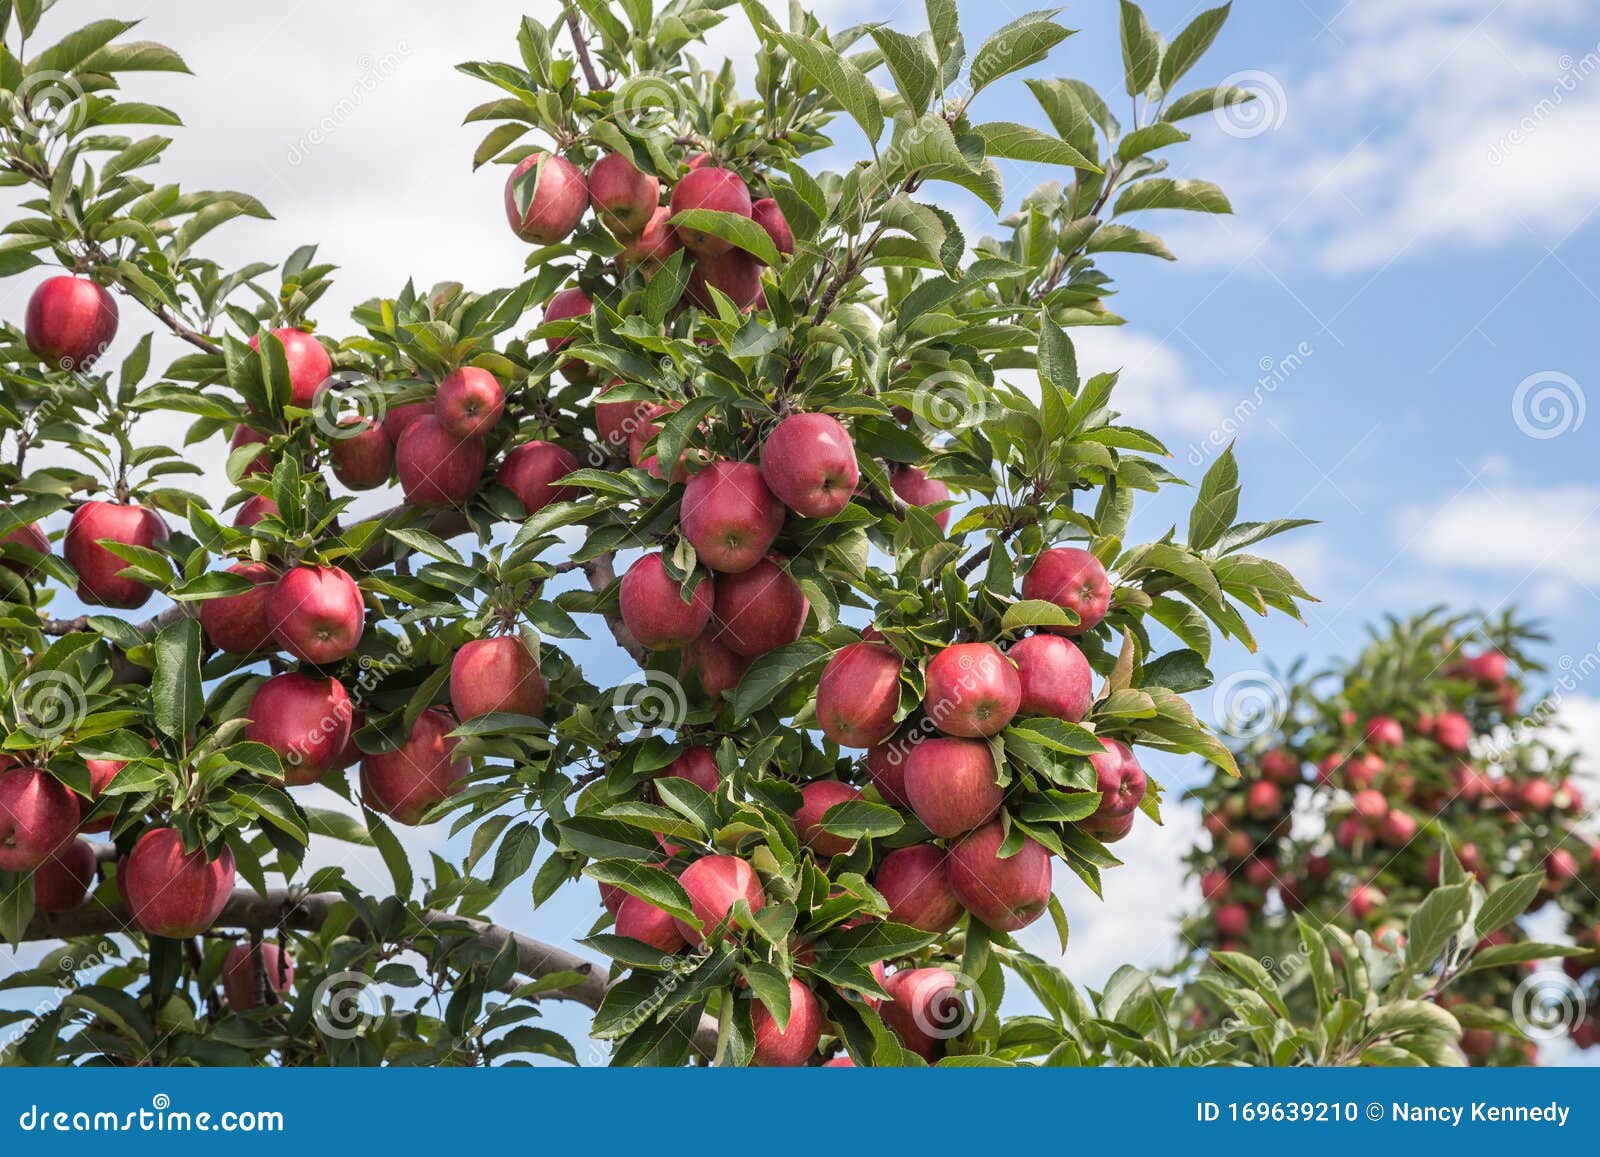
x=822 y=466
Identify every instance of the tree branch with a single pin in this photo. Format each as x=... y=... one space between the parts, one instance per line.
x=581 y=45
x=282 y=908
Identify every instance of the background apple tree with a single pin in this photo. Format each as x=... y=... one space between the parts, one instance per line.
x=896 y=652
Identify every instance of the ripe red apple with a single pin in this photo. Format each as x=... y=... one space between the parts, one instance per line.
x=1560 y=866
x=795 y=1043
x=531 y=470
x=971 y=690
x=729 y=516
x=735 y=273
x=858 y=694
x=64 y=878
x=615 y=422
x=1056 y=679
x=656 y=242
x=435 y=467
x=1452 y=731
x=917 y=888
x=951 y=784
x=309 y=363
x=173 y=893
x=809 y=462
x=1370 y=804
x=1397 y=829
x=1489 y=668
x=712 y=665
x=1281 y=766
x=708 y=187
x=758 y=610
x=643 y=921
x=38 y=818
x=1260 y=871
x=469 y=402
x=1006 y=894
x=1264 y=800
x=101 y=773
x=96 y=566
x=29 y=537
x=253 y=509
x=924 y=1009
x=245 y=436
x=239 y=986
x=363 y=460
x=917 y=489
x=1364 y=900
x=306 y=719
x=1071 y=578
x=70 y=321
x=769 y=216
x=317 y=613
x=1119 y=779
x=1318 y=867
x=1214 y=885
x=564 y=306
x=653 y=608
x=1383 y=732
x=496 y=675
x=622 y=196
x=698 y=765
x=886 y=763
x=1238 y=845
x=238 y=624
x=399 y=419
x=1232 y=920
x=714 y=884
x=560 y=195
x=423 y=771
x=816 y=798
x=1536 y=795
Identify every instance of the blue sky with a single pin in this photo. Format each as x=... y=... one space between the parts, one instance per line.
x=1413 y=230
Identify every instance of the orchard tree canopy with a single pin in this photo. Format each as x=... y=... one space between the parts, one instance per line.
x=897 y=654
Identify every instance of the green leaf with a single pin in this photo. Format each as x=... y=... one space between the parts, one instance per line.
x=1141 y=51
x=1442 y=914
x=859 y=819
x=915 y=72
x=771 y=673
x=1167 y=193
x=1217 y=504
x=732 y=228
x=1025 y=41
x=1207 y=100
x=1022 y=143
x=1506 y=903
x=1114 y=238
x=175 y=688
x=1190 y=44
x=838 y=78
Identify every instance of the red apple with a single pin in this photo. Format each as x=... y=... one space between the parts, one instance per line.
x=1281 y=766
x=816 y=798
x=423 y=771
x=238 y=624
x=1452 y=731
x=1006 y=894
x=309 y=363
x=435 y=467
x=698 y=765
x=306 y=719
x=886 y=763
x=1383 y=732
x=1370 y=804
x=1056 y=679
x=1232 y=920
x=101 y=773
x=496 y=675
x=1214 y=885
x=708 y=187
x=240 y=987
x=615 y=422
x=531 y=470
x=917 y=489
x=317 y=613
x=714 y=884
x=96 y=566
x=38 y=818
x=558 y=197
x=758 y=610
x=795 y=1043
x=1119 y=779
x=1536 y=795
x=924 y=1009
x=809 y=462
x=766 y=214
x=1364 y=900
x=1264 y=801
x=712 y=665
x=64 y=879
x=1397 y=829
x=858 y=694
x=735 y=274
x=28 y=536
x=653 y=608
x=1489 y=668
x=253 y=509
x=363 y=460
x=399 y=419
x=729 y=516
x=171 y=892
x=1071 y=578
x=564 y=306
x=971 y=690
x=951 y=785
x=469 y=402
x=641 y=920
x=656 y=242
x=622 y=196
x=914 y=883
x=70 y=321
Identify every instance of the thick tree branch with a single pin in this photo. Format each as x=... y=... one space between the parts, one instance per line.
x=580 y=45
x=281 y=908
